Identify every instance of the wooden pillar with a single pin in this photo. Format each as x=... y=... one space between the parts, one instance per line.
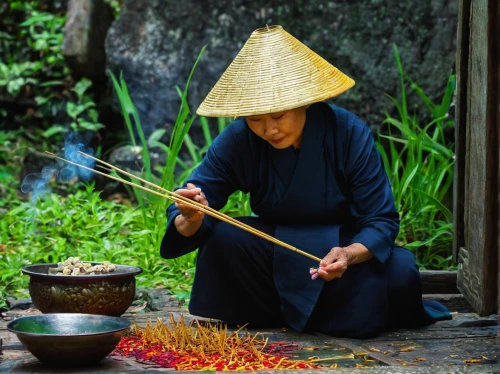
x=476 y=201
x=496 y=49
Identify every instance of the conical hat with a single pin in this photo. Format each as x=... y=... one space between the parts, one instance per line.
x=273 y=72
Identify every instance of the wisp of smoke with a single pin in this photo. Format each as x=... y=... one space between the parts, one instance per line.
x=38 y=183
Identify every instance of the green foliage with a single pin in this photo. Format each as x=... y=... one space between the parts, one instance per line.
x=80 y=225
x=33 y=71
x=84 y=116
x=32 y=59
x=419 y=161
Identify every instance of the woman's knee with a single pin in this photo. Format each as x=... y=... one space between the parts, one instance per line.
x=223 y=239
x=228 y=240
x=402 y=270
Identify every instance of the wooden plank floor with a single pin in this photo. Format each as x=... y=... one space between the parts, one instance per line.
x=465 y=344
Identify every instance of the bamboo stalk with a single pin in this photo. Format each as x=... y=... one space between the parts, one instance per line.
x=193 y=204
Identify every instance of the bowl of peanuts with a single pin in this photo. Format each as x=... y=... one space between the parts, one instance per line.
x=75 y=286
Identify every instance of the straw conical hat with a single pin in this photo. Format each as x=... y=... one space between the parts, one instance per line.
x=273 y=72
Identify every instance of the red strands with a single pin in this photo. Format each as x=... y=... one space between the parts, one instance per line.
x=183 y=347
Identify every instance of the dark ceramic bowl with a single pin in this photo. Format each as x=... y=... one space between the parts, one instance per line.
x=106 y=294
x=69 y=339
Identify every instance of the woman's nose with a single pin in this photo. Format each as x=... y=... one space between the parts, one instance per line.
x=270 y=128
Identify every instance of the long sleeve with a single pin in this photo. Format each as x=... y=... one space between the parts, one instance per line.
x=371 y=198
x=219 y=174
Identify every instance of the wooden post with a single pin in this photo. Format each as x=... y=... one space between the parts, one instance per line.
x=476 y=189
x=496 y=48
x=463 y=32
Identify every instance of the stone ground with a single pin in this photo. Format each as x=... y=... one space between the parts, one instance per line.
x=446 y=347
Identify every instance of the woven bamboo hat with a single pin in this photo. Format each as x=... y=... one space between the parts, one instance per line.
x=273 y=72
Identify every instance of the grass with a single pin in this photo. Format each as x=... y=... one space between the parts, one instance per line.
x=419 y=162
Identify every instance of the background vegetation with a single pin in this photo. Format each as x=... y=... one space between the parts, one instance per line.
x=42 y=104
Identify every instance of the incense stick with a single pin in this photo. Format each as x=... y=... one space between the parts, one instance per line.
x=189 y=201
x=181 y=199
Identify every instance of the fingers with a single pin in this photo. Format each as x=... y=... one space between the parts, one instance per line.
x=192 y=192
x=314 y=273
x=331 y=257
x=326 y=275
x=336 y=266
x=332 y=266
x=201 y=198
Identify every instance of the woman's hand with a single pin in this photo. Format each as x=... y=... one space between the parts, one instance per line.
x=333 y=265
x=338 y=259
x=190 y=219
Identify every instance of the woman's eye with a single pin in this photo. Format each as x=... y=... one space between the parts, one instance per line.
x=254 y=119
x=281 y=115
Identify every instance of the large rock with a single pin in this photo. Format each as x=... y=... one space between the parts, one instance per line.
x=155 y=42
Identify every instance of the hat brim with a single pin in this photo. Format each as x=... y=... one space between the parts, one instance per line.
x=273 y=72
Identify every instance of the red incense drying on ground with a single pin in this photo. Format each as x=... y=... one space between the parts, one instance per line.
x=210 y=347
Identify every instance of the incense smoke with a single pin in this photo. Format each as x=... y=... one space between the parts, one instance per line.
x=38 y=183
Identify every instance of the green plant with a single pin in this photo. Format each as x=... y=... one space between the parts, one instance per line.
x=37 y=42
x=15 y=76
x=34 y=74
x=82 y=113
x=79 y=225
x=153 y=208
x=419 y=162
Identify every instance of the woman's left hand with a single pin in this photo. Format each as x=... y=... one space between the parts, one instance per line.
x=333 y=265
x=338 y=259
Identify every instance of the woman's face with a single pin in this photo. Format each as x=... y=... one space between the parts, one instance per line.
x=281 y=129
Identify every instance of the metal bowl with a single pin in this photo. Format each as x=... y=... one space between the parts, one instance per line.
x=69 y=339
x=105 y=294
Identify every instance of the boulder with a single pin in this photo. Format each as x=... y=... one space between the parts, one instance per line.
x=155 y=43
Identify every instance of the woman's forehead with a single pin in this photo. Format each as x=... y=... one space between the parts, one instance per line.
x=268 y=114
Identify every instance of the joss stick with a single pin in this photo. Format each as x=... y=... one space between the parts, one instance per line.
x=193 y=204
x=184 y=346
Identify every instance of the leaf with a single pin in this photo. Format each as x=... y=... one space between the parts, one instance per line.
x=156 y=136
x=71 y=109
x=53 y=130
x=81 y=87
x=407 y=349
x=51 y=83
x=437 y=203
x=90 y=126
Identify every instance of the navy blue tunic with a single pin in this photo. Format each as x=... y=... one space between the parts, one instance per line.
x=332 y=192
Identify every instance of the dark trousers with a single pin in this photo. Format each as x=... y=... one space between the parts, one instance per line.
x=234 y=283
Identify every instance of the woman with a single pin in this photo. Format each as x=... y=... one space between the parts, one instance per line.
x=316 y=181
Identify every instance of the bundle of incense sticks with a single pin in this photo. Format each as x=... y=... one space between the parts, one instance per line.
x=181 y=199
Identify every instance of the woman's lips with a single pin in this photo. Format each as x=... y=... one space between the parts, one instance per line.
x=276 y=141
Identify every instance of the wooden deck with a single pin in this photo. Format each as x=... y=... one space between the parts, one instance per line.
x=466 y=344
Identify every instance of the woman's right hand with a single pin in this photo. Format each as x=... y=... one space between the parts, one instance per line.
x=190 y=219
